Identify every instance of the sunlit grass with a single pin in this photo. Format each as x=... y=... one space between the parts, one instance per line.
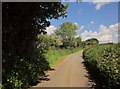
x=55 y=54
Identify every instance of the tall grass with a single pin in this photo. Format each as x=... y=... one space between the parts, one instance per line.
x=54 y=54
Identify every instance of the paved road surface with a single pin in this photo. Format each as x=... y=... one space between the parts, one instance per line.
x=69 y=73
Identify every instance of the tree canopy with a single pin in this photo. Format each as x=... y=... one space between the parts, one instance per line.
x=67 y=30
x=78 y=40
x=91 y=41
x=22 y=22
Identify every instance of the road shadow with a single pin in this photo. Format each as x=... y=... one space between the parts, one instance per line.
x=51 y=69
x=42 y=78
x=94 y=76
x=35 y=83
x=46 y=76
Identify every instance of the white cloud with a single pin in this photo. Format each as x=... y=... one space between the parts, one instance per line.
x=92 y=22
x=100 y=0
x=50 y=29
x=75 y=23
x=100 y=3
x=82 y=27
x=104 y=35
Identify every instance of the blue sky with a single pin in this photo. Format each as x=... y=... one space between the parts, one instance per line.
x=92 y=19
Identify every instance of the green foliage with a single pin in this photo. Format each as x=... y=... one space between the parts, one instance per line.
x=57 y=42
x=91 y=41
x=78 y=41
x=88 y=42
x=22 y=55
x=44 y=42
x=73 y=42
x=54 y=54
x=106 y=60
x=67 y=32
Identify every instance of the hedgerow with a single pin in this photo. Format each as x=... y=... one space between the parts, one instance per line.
x=105 y=60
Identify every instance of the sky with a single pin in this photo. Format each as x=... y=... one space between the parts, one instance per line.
x=94 y=20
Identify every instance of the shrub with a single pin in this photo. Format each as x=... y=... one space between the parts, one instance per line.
x=105 y=59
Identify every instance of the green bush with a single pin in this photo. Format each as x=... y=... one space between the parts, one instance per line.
x=106 y=60
x=25 y=69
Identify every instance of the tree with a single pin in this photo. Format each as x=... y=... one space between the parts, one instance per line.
x=67 y=32
x=91 y=41
x=78 y=40
x=22 y=22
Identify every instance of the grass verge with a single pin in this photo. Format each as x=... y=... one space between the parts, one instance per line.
x=55 y=54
